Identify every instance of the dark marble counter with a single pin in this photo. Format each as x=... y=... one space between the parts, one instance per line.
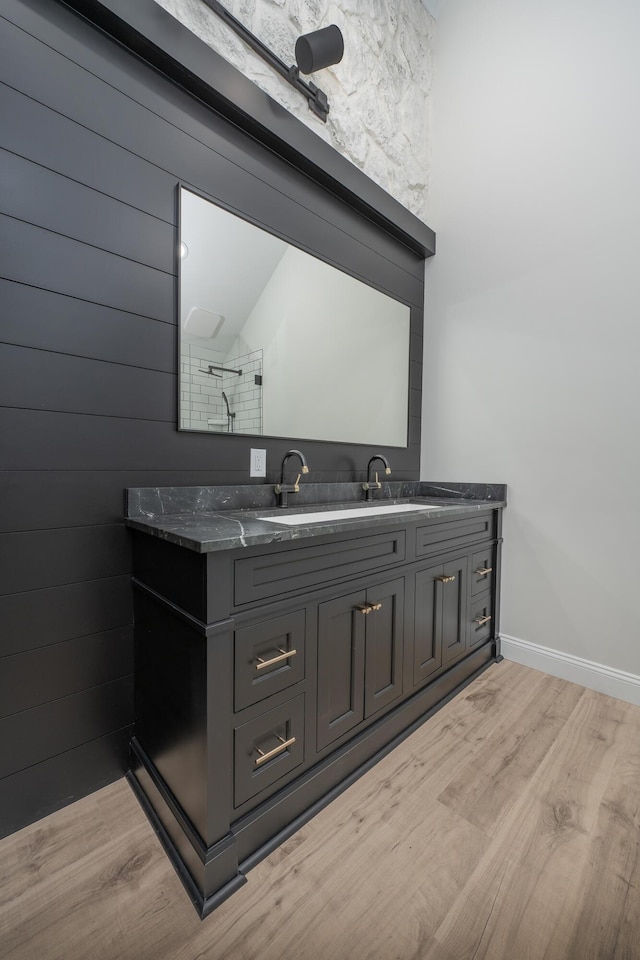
x=205 y=519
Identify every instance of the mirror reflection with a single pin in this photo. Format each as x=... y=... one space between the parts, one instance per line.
x=274 y=341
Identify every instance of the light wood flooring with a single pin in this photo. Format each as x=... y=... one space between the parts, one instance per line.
x=506 y=828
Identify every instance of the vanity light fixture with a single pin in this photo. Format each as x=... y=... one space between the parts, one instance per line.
x=320 y=49
x=314 y=51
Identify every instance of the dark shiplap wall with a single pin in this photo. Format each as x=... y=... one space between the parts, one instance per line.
x=93 y=144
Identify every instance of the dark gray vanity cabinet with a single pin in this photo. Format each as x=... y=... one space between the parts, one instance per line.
x=360 y=649
x=441 y=611
x=268 y=677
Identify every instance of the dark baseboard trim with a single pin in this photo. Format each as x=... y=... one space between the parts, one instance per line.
x=196 y=874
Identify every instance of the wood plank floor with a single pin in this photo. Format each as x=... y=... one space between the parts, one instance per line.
x=506 y=828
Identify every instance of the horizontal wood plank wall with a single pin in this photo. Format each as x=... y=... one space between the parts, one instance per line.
x=92 y=146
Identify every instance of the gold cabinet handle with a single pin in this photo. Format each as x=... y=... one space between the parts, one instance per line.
x=481 y=620
x=284 y=655
x=483 y=571
x=446 y=579
x=369 y=607
x=282 y=746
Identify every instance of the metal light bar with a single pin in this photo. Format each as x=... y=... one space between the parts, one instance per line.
x=316 y=99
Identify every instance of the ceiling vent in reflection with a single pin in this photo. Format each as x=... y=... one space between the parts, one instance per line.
x=202 y=323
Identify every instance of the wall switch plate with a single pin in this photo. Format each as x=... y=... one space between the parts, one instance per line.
x=258 y=463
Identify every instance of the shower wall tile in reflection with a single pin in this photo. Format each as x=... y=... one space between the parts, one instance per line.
x=202 y=404
x=243 y=394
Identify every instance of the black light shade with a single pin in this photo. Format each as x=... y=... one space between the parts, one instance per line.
x=313 y=52
x=319 y=49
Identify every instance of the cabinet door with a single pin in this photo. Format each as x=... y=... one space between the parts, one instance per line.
x=440 y=616
x=454 y=604
x=384 y=645
x=341 y=635
x=427 y=648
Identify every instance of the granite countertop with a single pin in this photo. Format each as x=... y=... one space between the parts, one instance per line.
x=205 y=519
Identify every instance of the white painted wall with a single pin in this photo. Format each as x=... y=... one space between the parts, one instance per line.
x=323 y=335
x=532 y=340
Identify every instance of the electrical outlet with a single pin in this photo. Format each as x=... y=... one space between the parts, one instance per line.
x=258 y=463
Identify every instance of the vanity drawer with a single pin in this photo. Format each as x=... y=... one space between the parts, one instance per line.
x=449 y=534
x=482 y=567
x=268 y=748
x=303 y=568
x=269 y=657
x=480 y=620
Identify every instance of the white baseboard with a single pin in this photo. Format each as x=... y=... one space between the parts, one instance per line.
x=596 y=676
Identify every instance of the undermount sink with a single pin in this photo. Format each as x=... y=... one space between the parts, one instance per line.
x=359 y=513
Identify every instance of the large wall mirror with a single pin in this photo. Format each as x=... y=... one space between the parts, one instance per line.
x=276 y=342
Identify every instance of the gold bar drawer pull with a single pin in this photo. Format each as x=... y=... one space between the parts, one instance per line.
x=482 y=620
x=284 y=655
x=369 y=607
x=446 y=579
x=483 y=571
x=282 y=746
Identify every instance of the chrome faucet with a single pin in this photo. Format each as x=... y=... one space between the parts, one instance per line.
x=372 y=485
x=282 y=488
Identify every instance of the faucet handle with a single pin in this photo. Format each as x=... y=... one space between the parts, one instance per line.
x=372 y=485
x=296 y=486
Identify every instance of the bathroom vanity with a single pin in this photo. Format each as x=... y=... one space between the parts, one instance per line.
x=276 y=662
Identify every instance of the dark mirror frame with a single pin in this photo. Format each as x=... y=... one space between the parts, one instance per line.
x=367 y=367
